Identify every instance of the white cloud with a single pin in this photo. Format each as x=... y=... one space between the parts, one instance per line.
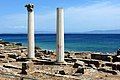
x=13 y=23
x=97 y=16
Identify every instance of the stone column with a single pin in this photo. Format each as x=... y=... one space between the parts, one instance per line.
x=60 y=35
x=31 y=42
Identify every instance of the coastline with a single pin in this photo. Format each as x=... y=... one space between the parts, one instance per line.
x=78 y=65
x=73 y=42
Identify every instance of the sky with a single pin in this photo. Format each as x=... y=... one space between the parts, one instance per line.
x=80 y=15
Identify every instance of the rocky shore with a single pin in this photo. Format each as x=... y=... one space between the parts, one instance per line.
x=14 y=64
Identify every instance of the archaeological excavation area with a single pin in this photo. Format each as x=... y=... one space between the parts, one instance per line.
x=18 y=62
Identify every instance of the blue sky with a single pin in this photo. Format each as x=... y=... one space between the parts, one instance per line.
x=80 y=15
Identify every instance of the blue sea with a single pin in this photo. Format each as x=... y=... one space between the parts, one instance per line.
x=73 y=42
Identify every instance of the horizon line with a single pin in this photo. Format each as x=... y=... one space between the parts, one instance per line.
x=64 y=33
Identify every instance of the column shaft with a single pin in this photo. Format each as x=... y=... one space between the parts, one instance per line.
x=31 y=43
x=60 y=35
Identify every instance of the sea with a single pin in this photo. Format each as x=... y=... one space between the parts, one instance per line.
x=105 y=43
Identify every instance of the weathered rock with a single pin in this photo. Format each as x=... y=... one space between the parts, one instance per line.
x=67 y=55
x=11 y=66
x=39 y=54
x=108 y=71
x=21 y=59
x=2 y=56
x=23 y=55
x=11 y=60
x=4 y=43
x=62 y=72
x=13 y=55
x=36 y=47
x=77 y=74
x=116 y=66
x=18 y=44
x=78 y=63
x=92 y=66
x=118 y=52
x=4 y=70
x=80 y=70
x=24 y=67
x=70 y=60
x=84 y=55
x=1 y=46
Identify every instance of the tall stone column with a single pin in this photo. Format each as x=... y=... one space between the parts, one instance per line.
x=60 y=35
x=31 y=42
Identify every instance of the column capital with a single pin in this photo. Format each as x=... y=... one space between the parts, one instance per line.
x=29 y=7
x=59 y=8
